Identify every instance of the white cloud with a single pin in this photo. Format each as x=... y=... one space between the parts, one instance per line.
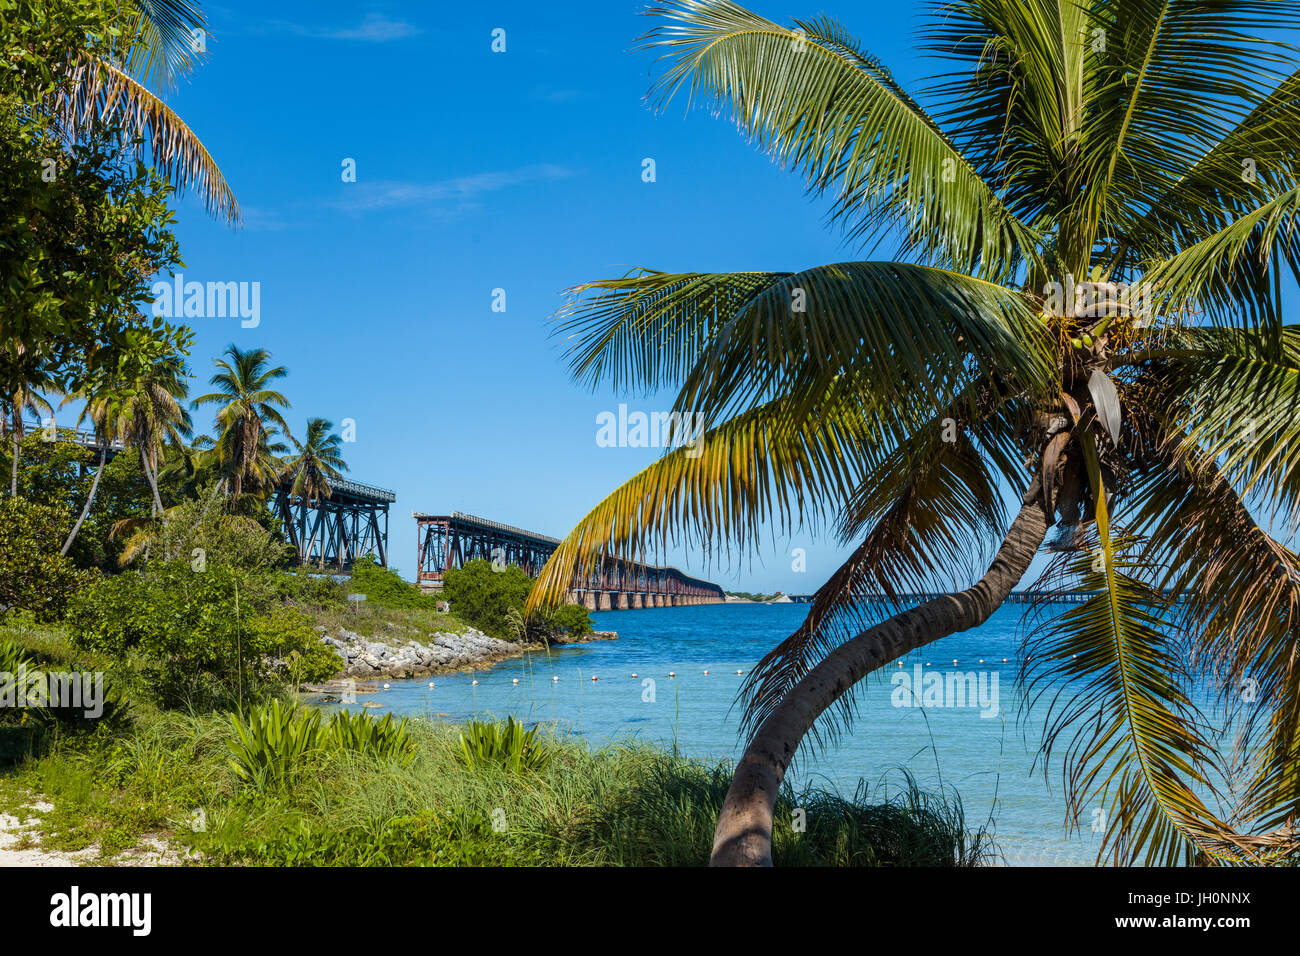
x=456 y=192
x=375 y=28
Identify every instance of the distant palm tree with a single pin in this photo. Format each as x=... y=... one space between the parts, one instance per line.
x=317 y=464
x=248 y=408
x=25 y=400
x=101 y=410
x=1093 y=222
x=119 y=84
x=146 y=412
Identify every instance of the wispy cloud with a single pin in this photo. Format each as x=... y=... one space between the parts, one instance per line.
x=449 y=195
x=374 y=28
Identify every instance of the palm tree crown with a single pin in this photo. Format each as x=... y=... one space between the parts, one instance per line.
x=248 y=417
x=318 y=462
x=1093 y=212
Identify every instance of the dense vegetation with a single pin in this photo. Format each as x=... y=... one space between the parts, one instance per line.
x=493 y=598
x=281 y=786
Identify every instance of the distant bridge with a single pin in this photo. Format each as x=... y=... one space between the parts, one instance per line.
x=1015 y=597
x=332 y=533
x=449 y=541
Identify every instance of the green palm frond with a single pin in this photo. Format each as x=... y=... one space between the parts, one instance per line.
x=1120 y=692
x=929 y=503
x=762 y=466
x=161 y=36
x=1240 y=604
x=1233 y=274
x=646 y=329
x=1255 y=161
x=819 y=104
x=106 y=94
x=1236 y=400
x=905 y=332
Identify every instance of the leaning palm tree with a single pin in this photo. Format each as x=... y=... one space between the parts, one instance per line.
x=248 y=408
x=119 y=84
x=101 y=407
x=1093 y=213
x=146 y=411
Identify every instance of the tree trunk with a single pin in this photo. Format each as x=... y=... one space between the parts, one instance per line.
x=94 y=487
x=13 y=481
x=153 y=485
x=744 y=833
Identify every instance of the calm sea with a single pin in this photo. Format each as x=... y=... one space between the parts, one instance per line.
x=982 y=748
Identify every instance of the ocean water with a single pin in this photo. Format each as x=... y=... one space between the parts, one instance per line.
x=983 y=748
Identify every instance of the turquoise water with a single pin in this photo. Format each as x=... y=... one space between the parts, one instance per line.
x=943 y=741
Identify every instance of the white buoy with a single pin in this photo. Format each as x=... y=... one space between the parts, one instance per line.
x=740 y=672
x=430 y=683
x=672 y=673
x=633 y=675
x=385 y=687
x=474 y=682
x=554 y=678
x=593 y=676
x=706 y=673
x=515 y=681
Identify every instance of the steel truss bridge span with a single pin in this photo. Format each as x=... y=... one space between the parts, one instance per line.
x=333 y=532
x=449 y=541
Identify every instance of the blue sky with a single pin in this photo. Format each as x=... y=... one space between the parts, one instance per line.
x=477 y=171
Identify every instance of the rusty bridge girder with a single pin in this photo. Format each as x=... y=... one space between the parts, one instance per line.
x=449 y=541
x=333 y=532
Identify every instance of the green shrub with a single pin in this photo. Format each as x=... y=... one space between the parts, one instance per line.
x=33 y=575
x=199 y=634
x=484 y=597
x=384 y=739
x=384 y=587
x=508 y=746
x=275 y=742
x=572 y=618
x=492 y=599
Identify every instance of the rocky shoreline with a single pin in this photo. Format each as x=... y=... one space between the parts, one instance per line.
x=441 y=653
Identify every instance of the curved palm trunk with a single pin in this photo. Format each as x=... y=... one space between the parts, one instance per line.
x=13 y=480
x=94 y=487
x=744 y=833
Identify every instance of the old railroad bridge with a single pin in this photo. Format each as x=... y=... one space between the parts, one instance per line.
x=352 y=522
x=448 y=541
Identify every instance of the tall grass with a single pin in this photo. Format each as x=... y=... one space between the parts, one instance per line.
x=396 y=793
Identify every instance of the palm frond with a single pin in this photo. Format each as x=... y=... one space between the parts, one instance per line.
x=104 y=94
x=765 y=465
x=938 y=500
x=1119 y=691
x=819 y=104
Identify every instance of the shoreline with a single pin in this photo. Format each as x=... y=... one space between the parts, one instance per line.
x=444 y=653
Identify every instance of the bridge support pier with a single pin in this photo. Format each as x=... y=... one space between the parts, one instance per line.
x=603 y=602
x=589 y=600
x=622 y=600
